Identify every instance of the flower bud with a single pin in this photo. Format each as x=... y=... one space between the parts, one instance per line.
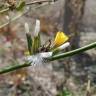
x=37 y=28
x=26 y=28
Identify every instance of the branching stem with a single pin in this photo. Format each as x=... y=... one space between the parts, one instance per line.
x=56 y=57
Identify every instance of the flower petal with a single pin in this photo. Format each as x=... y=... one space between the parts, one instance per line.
x=60 y=38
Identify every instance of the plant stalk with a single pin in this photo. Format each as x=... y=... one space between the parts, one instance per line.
x=56 y=57
x=15 y=67
x=73 y=52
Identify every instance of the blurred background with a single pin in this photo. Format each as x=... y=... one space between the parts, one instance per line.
x=71 y=75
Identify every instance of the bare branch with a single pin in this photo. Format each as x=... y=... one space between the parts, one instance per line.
x=40 y=1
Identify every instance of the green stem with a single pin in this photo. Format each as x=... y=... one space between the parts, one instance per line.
x=15 y=67
x=73 y=52
x=56 y=57
x=4 y=10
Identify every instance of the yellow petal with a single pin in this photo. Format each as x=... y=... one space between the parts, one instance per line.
x=60 y=38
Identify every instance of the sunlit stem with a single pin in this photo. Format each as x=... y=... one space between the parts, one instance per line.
x=73 y=52
x=56 y=57
x=15 y=67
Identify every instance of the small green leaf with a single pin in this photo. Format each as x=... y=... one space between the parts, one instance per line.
x=65 y=93
x=20 y=6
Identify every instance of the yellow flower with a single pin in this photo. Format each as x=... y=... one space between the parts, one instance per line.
x=60 y=39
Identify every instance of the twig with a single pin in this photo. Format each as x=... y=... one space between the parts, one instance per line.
x=40 y=1
x=4 y=10
x=15 y=67
x=27 y=4
x=13 y=19
x=73 y=52
x=88 y=89
x=17 y=17
x=63 y=55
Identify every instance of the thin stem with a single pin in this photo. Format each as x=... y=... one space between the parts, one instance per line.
x=15 y=67
x=13 y=19
x=27 y=4
x=4 y=10
x=56 y=57
x=36 y=2
x=73 y=52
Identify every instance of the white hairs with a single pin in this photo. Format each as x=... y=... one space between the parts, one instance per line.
x=38 y=59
